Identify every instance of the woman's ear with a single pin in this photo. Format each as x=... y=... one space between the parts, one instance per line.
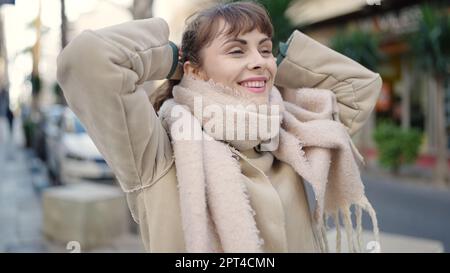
x=188 y=68
x=194 y=70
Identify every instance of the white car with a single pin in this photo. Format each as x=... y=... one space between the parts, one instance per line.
x=72 y=155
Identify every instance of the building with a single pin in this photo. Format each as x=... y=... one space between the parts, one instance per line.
x=406 y=96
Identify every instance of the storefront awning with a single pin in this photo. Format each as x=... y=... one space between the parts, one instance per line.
x=305 y=12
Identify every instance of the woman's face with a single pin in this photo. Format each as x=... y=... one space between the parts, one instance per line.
x=244 y=63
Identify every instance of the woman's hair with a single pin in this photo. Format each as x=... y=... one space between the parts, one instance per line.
x=203 y=27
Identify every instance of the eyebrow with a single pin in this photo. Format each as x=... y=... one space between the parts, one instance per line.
x=244 y=42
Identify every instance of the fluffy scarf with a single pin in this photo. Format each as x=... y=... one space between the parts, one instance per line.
x=216 y=212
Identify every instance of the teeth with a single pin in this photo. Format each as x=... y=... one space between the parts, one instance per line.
x=253 y=84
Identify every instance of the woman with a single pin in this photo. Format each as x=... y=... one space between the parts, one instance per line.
x=219 y=193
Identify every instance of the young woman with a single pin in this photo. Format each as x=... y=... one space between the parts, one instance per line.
x=220 y=193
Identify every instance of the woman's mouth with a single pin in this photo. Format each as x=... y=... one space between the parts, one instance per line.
x=254 y=85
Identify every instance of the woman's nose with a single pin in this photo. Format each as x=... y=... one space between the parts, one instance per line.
x=256 y=61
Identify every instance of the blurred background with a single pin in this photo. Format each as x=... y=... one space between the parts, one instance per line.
x=57 y=194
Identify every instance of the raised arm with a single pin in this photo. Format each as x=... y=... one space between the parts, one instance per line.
x=304 y=62
x=99 y=72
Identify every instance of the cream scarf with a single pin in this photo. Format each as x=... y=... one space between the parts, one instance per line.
x=215 y=209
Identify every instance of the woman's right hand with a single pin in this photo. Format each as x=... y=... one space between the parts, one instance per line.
x=101 y=73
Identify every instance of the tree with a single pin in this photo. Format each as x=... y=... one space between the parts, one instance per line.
x=430 y=45
x=360 y=46
x=142 y=9
x=36 y=53
x=4 y=80
x=57 y=89
x=281 y=23
x=30 y=119
x=63 y=24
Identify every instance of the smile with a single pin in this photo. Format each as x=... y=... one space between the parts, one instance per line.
x=255 y=85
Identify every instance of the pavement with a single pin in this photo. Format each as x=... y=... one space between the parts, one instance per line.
x=22 y=178
x=389 y=243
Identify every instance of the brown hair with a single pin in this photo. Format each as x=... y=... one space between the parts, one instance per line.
x=202 y=27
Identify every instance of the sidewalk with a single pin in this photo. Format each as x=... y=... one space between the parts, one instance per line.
x=389 y=243
x=22 y=176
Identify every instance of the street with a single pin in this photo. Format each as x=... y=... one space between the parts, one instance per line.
x=410 y=209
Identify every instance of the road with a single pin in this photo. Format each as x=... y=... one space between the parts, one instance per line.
x=409 y=208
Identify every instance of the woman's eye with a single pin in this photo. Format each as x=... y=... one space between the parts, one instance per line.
x=267 y=51
x=237 y=52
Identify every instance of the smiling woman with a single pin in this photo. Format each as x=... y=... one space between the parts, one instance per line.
x=230 y=45
x=226 y=189
x=246 y=60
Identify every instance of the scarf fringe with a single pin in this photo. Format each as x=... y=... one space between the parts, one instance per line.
x=353 y=234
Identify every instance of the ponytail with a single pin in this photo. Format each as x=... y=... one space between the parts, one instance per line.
x=162 y=93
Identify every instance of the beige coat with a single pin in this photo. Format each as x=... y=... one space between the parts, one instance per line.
x=101 y=73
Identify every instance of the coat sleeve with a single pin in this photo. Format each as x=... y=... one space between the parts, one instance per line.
x=305 y=62
x=99 y=72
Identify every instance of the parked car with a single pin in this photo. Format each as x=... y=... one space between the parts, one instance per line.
x=71 y=153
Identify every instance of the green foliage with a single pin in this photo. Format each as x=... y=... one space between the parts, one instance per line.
x=57 y=90
x=35 y=84
x=282 y=25
x=430 y=44
x=28 y=129
x=360 y=46
x=395 y=145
